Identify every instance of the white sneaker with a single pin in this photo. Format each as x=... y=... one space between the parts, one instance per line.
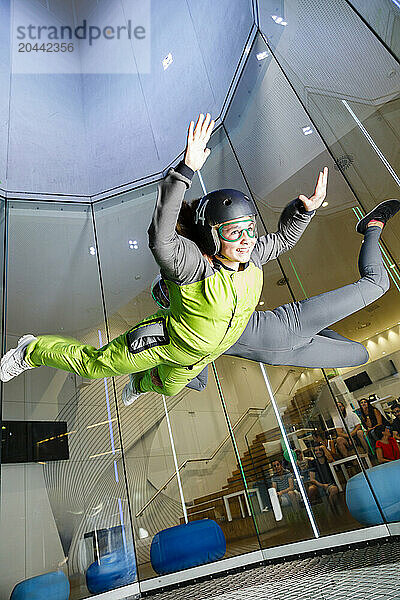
x=13 y=363
x=130 y=393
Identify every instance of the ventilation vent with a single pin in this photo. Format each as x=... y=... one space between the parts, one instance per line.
x=344 y=162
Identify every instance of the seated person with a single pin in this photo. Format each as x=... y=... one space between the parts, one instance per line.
x=321 y=478
x=303 y=465
x=282 y=481
x=387 y=448
x=353 y=423
x=320 y=438
x=371 y=417
x=395 y=408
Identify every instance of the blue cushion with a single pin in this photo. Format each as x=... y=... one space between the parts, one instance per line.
x=115 y=570
x=52 y=586
x=186 y=546
x=385 y=481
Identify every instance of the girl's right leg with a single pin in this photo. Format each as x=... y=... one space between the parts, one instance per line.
x=87 y=361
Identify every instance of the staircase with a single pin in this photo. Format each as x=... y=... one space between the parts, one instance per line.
x=255 y=463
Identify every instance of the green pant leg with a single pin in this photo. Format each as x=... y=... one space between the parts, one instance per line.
x=71 y=355
x=174 y=379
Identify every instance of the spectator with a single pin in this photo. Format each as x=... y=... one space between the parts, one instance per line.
x=387 y=448
x=370 y=418
x=395 y=408
x=303 y=465
x=282 y=481
x=353 y=423
x=319 y=438
x=321 y=477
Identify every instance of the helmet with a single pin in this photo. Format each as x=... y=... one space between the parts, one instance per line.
x=216 y=208
x=159 y=292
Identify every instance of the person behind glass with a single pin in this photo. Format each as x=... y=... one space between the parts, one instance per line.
x=386 y=446
x=371 y=417
x=353 y=423
x=303 y=465
x=319 y=437
x=395 y=408
x=321 y=478
x=282 y=481
x=215 y=280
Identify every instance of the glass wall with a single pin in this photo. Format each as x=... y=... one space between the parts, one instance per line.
x=384 y=18
x=270 y=454
x=64 y=501
x=281 y=150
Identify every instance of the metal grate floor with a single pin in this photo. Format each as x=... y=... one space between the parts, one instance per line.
x=367 y=573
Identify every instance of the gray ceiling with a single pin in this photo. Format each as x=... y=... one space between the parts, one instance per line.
x=77 y=124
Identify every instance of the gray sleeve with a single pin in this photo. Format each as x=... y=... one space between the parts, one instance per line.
x=179 y=259
x=292 y=223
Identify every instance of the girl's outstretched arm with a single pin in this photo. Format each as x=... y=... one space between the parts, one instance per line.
x=180 y=259
x=293 y=222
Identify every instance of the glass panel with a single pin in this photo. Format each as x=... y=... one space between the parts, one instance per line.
x=384 y=17
x=357 y=113
x=267 y=147
x=207 y=465
x=197 y=421
x=62 y=514
x=281 y=517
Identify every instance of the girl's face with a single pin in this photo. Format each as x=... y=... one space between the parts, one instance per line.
x=240 y=238
x=363 y=404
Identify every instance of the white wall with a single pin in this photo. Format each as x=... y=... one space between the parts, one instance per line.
x=29 y=541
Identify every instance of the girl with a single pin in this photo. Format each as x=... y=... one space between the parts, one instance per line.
x=370 y=418
x=387 y=448
x=213 y=292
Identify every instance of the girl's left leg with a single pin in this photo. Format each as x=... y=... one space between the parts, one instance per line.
x=296 y=334
x=325 y=350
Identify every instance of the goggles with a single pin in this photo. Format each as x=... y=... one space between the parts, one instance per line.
x=232 y=232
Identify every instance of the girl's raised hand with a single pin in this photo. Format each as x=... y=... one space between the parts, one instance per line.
x=319 y=194
x=198 y=136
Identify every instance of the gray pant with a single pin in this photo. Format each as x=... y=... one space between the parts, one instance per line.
x=296 y=334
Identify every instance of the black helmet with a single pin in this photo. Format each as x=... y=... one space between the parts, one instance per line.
x=216 y=208
x=159 y=292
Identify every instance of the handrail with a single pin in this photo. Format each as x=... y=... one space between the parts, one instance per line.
x=188 y=460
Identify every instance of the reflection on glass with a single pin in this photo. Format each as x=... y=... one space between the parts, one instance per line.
x=383 y=17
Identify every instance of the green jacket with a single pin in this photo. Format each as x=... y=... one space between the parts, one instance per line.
x=210 y=304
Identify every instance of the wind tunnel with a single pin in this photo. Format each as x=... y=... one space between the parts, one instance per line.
x=87 y=483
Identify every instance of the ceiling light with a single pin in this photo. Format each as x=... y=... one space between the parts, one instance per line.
x=92 y=250
x=133 y=245
x=261 y=303
x=324 y=204
x=168 y=60
x=383 y=352
x=279 y=20
x=307 y=130
x=262 y=55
